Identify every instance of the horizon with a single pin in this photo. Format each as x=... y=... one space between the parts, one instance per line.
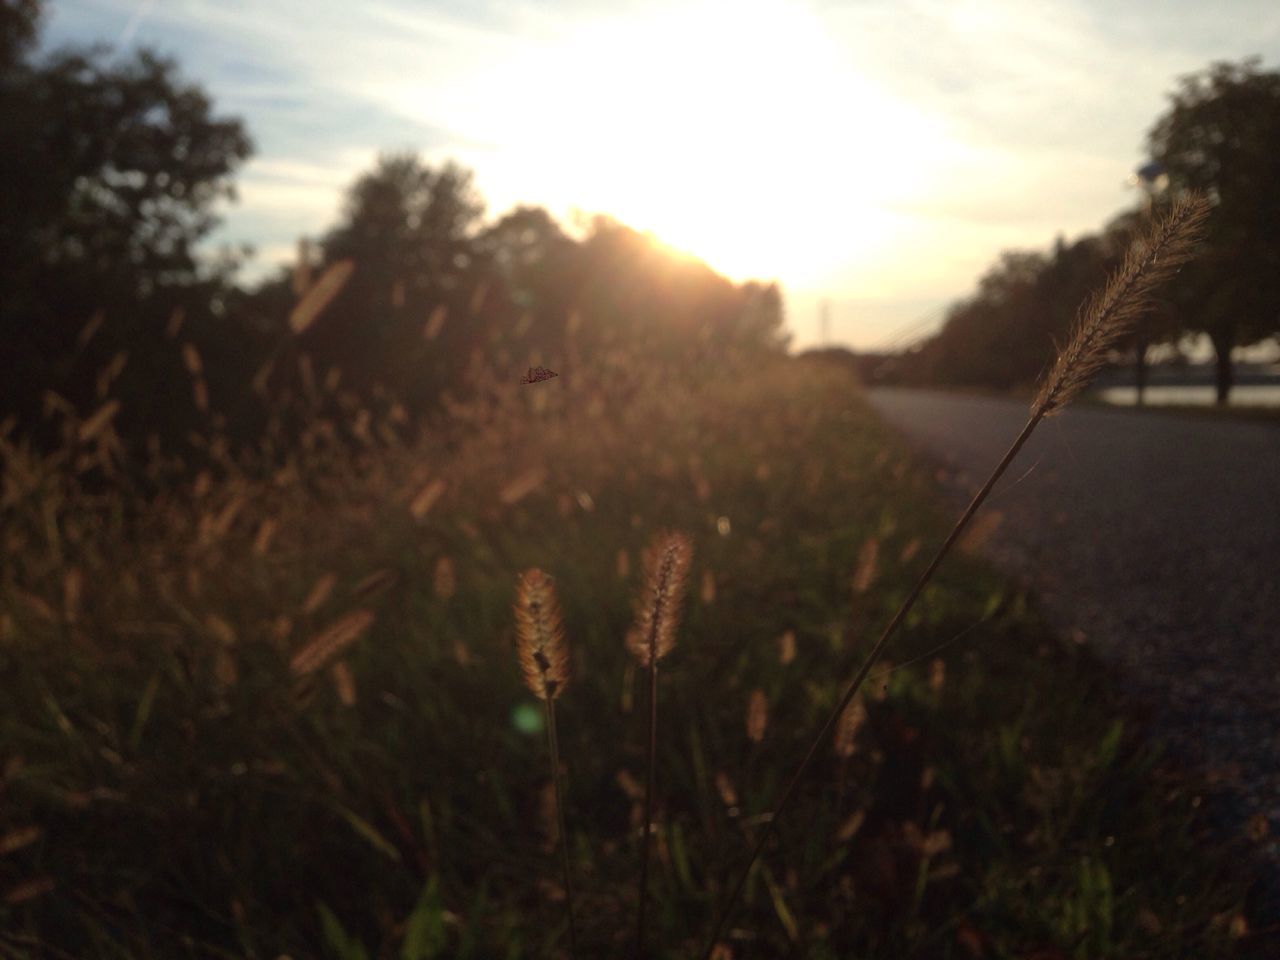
x=1040 y=112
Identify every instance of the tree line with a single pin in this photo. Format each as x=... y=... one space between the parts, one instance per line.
x=113 y=170
x=1220 y=136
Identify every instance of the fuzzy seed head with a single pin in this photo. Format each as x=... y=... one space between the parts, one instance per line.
x=757 y=716
x=851 y=720
x=666 y=572
x=329 y=643
x=540 y=643
x=1112 y=312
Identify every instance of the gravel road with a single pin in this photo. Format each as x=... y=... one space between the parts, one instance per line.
x=1156 y=539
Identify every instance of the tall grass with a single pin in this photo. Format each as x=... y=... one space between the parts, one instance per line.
x=666 y=572
x=544 y=660
x=1104 y=320
x=270 y=710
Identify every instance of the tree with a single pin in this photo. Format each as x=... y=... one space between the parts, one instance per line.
x=1221 y=136
x=410 y=230
x=112 y=171
x=19 y=23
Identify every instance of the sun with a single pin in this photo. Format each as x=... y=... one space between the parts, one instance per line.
x=738 y=132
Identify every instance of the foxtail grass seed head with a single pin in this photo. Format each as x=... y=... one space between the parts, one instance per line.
x=666 y=571
x=99 y=421
x=320 y=592
x=868 y=564
x=320 y=294
x=851 y=720
x=787 y=647
x=330 y=642
x=757 y=716
x=540 y=643
x=1107 y=315
x=445 y=581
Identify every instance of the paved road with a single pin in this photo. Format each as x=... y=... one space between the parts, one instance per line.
x=1157 y=537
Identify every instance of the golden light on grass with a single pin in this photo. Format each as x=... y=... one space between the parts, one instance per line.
x=1104 y=319
x=544 y=662
x=320 y=294
x=757 y=716
x=99 y=421
x=851 y=721
x=868 y=562
x=523 y=484
x=666 y=572
x=540 y=643
x=787 y=647
x=435 y=322
x=191 y=359
x=327 y=644
x=19 y=838
x=909 y=550
x=267 y=531
x=425 y=498
x=344 y=683
x=1110 y=313
x=320 y=592
x=444 y=582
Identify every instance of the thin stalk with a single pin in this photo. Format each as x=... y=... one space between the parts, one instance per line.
x=553 y=744
x=771 y=825
x=648 y=808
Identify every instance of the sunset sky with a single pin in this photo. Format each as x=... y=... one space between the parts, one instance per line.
x=878 y=154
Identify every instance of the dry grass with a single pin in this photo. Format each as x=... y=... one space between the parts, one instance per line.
x=166 y=790
x=1105 y=318
x=544 y=661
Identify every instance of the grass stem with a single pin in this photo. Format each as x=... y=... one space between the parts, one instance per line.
x=771 y=825
x=553 y=744
x=648 y=810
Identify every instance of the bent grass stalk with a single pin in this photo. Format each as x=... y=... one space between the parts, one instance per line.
x=544 y=661
x=666 y=569
x=1104 y=319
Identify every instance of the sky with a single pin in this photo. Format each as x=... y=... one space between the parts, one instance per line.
x=875 y=155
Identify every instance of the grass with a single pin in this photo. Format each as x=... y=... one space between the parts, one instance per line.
x=279 y=711
x=187 y=799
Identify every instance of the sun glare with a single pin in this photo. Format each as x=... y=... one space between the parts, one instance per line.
x=737 y=132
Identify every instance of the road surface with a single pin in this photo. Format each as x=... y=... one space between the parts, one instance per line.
x=1157 y=538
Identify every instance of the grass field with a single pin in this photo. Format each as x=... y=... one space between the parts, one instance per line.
x=195 y=763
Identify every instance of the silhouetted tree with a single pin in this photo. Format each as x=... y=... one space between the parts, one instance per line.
x=19 y=24
x=111 y=172
x=1221 y=136
x=410 y=231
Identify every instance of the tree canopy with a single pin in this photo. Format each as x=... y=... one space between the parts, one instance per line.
x=113 y=169
x=1221 y=137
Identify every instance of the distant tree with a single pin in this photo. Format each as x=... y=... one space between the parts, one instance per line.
x=670 y=305
x=536 y=264
x=410 y=230
x=112 y=171
x=1221 y=136
x=19 y=24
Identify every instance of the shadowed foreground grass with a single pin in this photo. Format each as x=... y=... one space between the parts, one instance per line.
x=193 y=767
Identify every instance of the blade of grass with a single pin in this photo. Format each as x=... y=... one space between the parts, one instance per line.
x=1102 y=321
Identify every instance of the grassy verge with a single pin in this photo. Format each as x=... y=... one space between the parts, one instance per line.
x=174 y=784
